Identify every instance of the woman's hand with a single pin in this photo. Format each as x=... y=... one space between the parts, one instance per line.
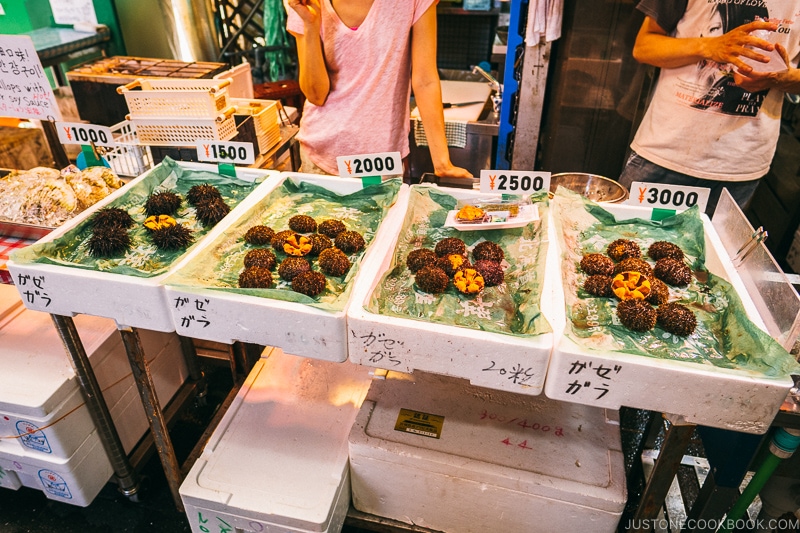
x=308 y=10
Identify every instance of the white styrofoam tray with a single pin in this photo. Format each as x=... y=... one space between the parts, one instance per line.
x=487 y=359
x=294 y=327
x=502 y=461
x=278 y=459
x=734 y=399
x=129 y=300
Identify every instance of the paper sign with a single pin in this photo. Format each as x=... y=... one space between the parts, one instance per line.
x=514 y=181
x=73 y=11
x=85 y=134
x=24 y=89
x=383 y=164
x=240 y=153
x=663 y=196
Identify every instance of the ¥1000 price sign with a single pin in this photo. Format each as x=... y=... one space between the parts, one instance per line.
x=514 y=181
x=234 y=152
x=85 y=134
x=663 y=196
x=359 y=166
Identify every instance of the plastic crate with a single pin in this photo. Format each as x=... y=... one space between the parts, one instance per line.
x=175 y=98
x=185 y=131
x=128 y=158
x=241 y=81
x=265 y=119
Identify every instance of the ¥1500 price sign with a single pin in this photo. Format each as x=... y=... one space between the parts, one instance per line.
x=239 y=153
x=514 y=181
x=78 y=133
x=358 y=166
x=663 y=196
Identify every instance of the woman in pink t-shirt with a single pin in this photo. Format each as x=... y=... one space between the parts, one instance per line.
x=359 y=60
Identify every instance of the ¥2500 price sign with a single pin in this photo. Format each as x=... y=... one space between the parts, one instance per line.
x=663 y=196
x=358 y=166
x=514 y=181
x=239 y=153
x=86 y=134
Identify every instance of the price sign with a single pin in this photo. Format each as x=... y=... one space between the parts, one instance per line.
x=514 y=181
x=663 y=196
x=240 y=153
x=357 y=166
x=86 y=134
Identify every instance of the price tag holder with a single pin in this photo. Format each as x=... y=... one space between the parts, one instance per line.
x=85 y=134
x=514 y=181
x=666 y=200
x=226 y=152
x=369 y=165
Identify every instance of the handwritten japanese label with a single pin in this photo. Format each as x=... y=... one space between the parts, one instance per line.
x=599 y=378
x=522 y=422
x=32 y=289
x=24 y=88
x=193 y=313
x=517 y=374
x=381 y=349
x=206 y=524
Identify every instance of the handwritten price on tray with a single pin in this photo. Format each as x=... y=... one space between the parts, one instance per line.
x=516 y=182
x=226 y=152
x=78 y=133
x=663 y=196
x=383 y=164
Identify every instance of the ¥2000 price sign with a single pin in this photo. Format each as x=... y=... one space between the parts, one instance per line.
x=239 y=153
x=359 y=166
x=663 y=196
x=514 y=181
x=86 y=134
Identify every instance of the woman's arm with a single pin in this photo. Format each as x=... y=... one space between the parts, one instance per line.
x=428 y=93
x=313 y=77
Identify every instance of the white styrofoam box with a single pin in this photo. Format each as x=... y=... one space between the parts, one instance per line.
x=230 y=317
x=41 y=406
x=277 y=462
x=129 y=300
x=75 y=480
x=734 y=399
x=488 y=359
x=502 y=462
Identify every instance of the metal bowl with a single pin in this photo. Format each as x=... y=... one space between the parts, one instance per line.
x=594 y=187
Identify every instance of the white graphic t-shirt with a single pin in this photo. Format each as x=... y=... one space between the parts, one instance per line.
x=699 y=122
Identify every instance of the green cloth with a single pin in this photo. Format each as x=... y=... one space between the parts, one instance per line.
x=143 y=259
x=724 y=337
x=512 y=308
x=362 y=211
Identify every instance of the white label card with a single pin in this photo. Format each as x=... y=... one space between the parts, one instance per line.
x=663 y=196
x=357 y=166
x=514 y=181
x=25 y=91
x=239 y=153
x=86 y=134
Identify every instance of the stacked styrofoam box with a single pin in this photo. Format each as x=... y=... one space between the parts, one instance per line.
x=47 y=437
x=278 y=459
x=492 y=461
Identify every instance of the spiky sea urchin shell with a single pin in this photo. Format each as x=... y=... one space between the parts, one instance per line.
x=309 y=283
x=111 y=217
x=677 y=319
x=279 y=239
x=331 y=227
x=633 y=264
x=453 y=263
x=292 y=266
x=599 y=285
x=162 y=203
x=597 y=264
x=349 y=242
x=174 y=237
x=202 y=193
x=659 y=292
x=450 y=245
x=260 y=257
x=419 y=258
x=319 y=242
x=491 y=271
x=333 y=262
x=432 y=279
x=211 y=211
x=673 y=272
x=622 y=249
x=255 y=278
x=109 y=242
x=488 y=251
x=661 y=249
x=636 y=315
x=259 y=235
x=303 y=224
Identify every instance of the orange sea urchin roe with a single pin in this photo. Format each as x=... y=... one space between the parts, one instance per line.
x=297 y=245
x=631 y=285
x=470 y=212
x=468 y=281
x=157 y=222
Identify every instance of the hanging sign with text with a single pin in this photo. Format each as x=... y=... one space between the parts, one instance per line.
x=24 y=88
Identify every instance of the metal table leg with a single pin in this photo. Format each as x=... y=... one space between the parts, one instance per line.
x=127 y=479
x=158 y=425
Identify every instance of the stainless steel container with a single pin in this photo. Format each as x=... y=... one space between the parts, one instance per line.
x=594 y=187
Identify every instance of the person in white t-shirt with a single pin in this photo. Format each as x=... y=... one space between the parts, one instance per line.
x=359 y=60
x=714 y=120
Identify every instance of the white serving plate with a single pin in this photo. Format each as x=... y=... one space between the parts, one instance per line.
x=738 y=400
x=527 y=213
x=131 y=301
x=486 y=359
x=296 y=328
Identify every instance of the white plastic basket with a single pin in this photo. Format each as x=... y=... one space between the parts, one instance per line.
x=175 y=98
x=241 y=81
x=128 y=157
x=185 y=131
x=265 y=118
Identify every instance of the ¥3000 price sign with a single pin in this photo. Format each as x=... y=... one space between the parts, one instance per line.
x=663 y=196
x=239 y=153
x=514 y=181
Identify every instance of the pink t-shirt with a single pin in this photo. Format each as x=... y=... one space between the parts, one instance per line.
x=367 y=109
